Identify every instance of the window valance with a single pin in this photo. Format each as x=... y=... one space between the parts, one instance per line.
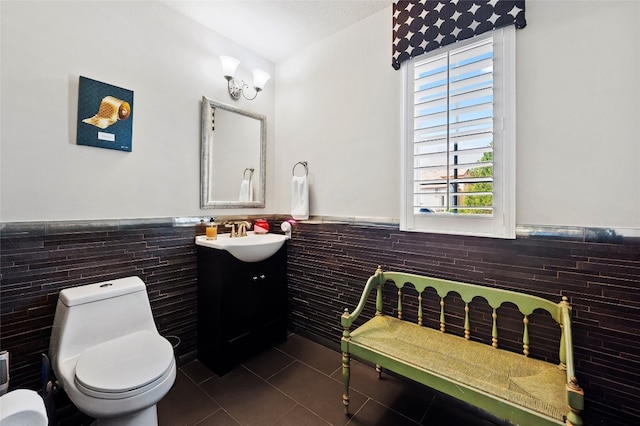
x=425 y=25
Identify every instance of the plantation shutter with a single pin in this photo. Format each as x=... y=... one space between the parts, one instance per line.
x=453 y=131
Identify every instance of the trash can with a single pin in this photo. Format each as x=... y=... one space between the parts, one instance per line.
x=175 y=342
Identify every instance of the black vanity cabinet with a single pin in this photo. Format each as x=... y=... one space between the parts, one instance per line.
x=242 y=306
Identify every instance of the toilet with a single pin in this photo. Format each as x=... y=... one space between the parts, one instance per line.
x=22 y=407
x=108 y=355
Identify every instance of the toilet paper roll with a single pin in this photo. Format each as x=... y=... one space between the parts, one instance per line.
x=22 y=407
x=111 y=110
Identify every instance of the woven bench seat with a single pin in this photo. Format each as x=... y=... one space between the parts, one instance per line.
x=534 y=384
x=507 y=384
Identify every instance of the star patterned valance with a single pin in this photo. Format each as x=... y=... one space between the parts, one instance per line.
x=425 y=25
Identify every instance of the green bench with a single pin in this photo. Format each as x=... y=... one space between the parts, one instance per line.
x=509 y=385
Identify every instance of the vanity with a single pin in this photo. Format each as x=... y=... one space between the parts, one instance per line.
x=242 y=280
x=242 y=305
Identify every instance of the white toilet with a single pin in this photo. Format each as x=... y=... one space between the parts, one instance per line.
x=107 y=354
x=22 y=407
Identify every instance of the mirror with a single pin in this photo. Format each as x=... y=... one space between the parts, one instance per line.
x=233 y=157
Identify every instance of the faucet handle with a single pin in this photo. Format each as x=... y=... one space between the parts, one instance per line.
x=231 y=225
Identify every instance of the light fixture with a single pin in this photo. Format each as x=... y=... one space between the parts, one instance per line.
x=236 y=88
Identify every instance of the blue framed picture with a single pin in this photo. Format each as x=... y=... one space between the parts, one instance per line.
x=105 y=115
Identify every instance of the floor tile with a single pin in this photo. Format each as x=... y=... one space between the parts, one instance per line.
x=219 y=418
x=375 y=414
x=197 y=371
x=312 y=353
x=185 y=404
x=316 y=391
x=407 y=398
x=300 y=416
x=268 y=363
x=445 y=412
x=247 y=398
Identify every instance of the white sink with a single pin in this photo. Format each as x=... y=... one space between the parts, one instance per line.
x=252 y=248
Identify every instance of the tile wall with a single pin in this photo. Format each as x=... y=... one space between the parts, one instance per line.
x=329 y=262
x=598 y=270
x=37 y=260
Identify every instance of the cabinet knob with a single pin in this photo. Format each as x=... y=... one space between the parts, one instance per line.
x=255 y=278
x=262 y=277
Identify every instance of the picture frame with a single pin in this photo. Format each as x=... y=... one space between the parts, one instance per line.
x=105 y=115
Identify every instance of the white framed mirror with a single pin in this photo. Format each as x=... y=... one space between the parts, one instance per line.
x=233 y=157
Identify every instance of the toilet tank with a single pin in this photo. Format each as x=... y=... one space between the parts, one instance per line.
x=95 y=313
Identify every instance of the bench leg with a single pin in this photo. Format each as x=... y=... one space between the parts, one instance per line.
x=379 y=371
x=346 y=374
x=575 y=396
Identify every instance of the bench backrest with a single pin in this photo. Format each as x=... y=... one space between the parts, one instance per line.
x=495 y=297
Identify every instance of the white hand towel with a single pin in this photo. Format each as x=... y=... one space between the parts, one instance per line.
x=246 y=190
x=300 y=198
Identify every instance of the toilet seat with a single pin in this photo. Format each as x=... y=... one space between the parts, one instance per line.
x=124 y=367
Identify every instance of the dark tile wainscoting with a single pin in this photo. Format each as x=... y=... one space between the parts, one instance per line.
x=39 y=259
x=599 y=270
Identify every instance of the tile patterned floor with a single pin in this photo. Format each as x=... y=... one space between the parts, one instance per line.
x=299 y=383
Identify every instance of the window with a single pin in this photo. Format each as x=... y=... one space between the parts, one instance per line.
x=459 y=139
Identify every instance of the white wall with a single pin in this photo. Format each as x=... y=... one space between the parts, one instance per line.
x=336 y=104
x=168 y=61
x=579 y=114
x=337 y=107
x=578 y=147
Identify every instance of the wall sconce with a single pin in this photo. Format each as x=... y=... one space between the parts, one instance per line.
x=229 y=66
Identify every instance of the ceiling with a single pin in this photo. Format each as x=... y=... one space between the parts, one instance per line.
x=276 y=29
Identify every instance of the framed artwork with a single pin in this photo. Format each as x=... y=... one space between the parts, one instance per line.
x=105 y=115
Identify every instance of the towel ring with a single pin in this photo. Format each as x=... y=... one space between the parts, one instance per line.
x=306 y=169
x=244 y=174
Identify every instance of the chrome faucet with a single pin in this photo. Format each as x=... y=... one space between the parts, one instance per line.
x=242 y=228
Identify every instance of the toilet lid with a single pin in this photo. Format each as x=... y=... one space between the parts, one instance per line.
x=125 y=363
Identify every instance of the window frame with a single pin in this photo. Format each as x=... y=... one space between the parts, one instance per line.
x=502 y=223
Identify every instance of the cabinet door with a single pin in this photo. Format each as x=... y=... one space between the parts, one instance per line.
x=270 y=295
x=237 y=300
